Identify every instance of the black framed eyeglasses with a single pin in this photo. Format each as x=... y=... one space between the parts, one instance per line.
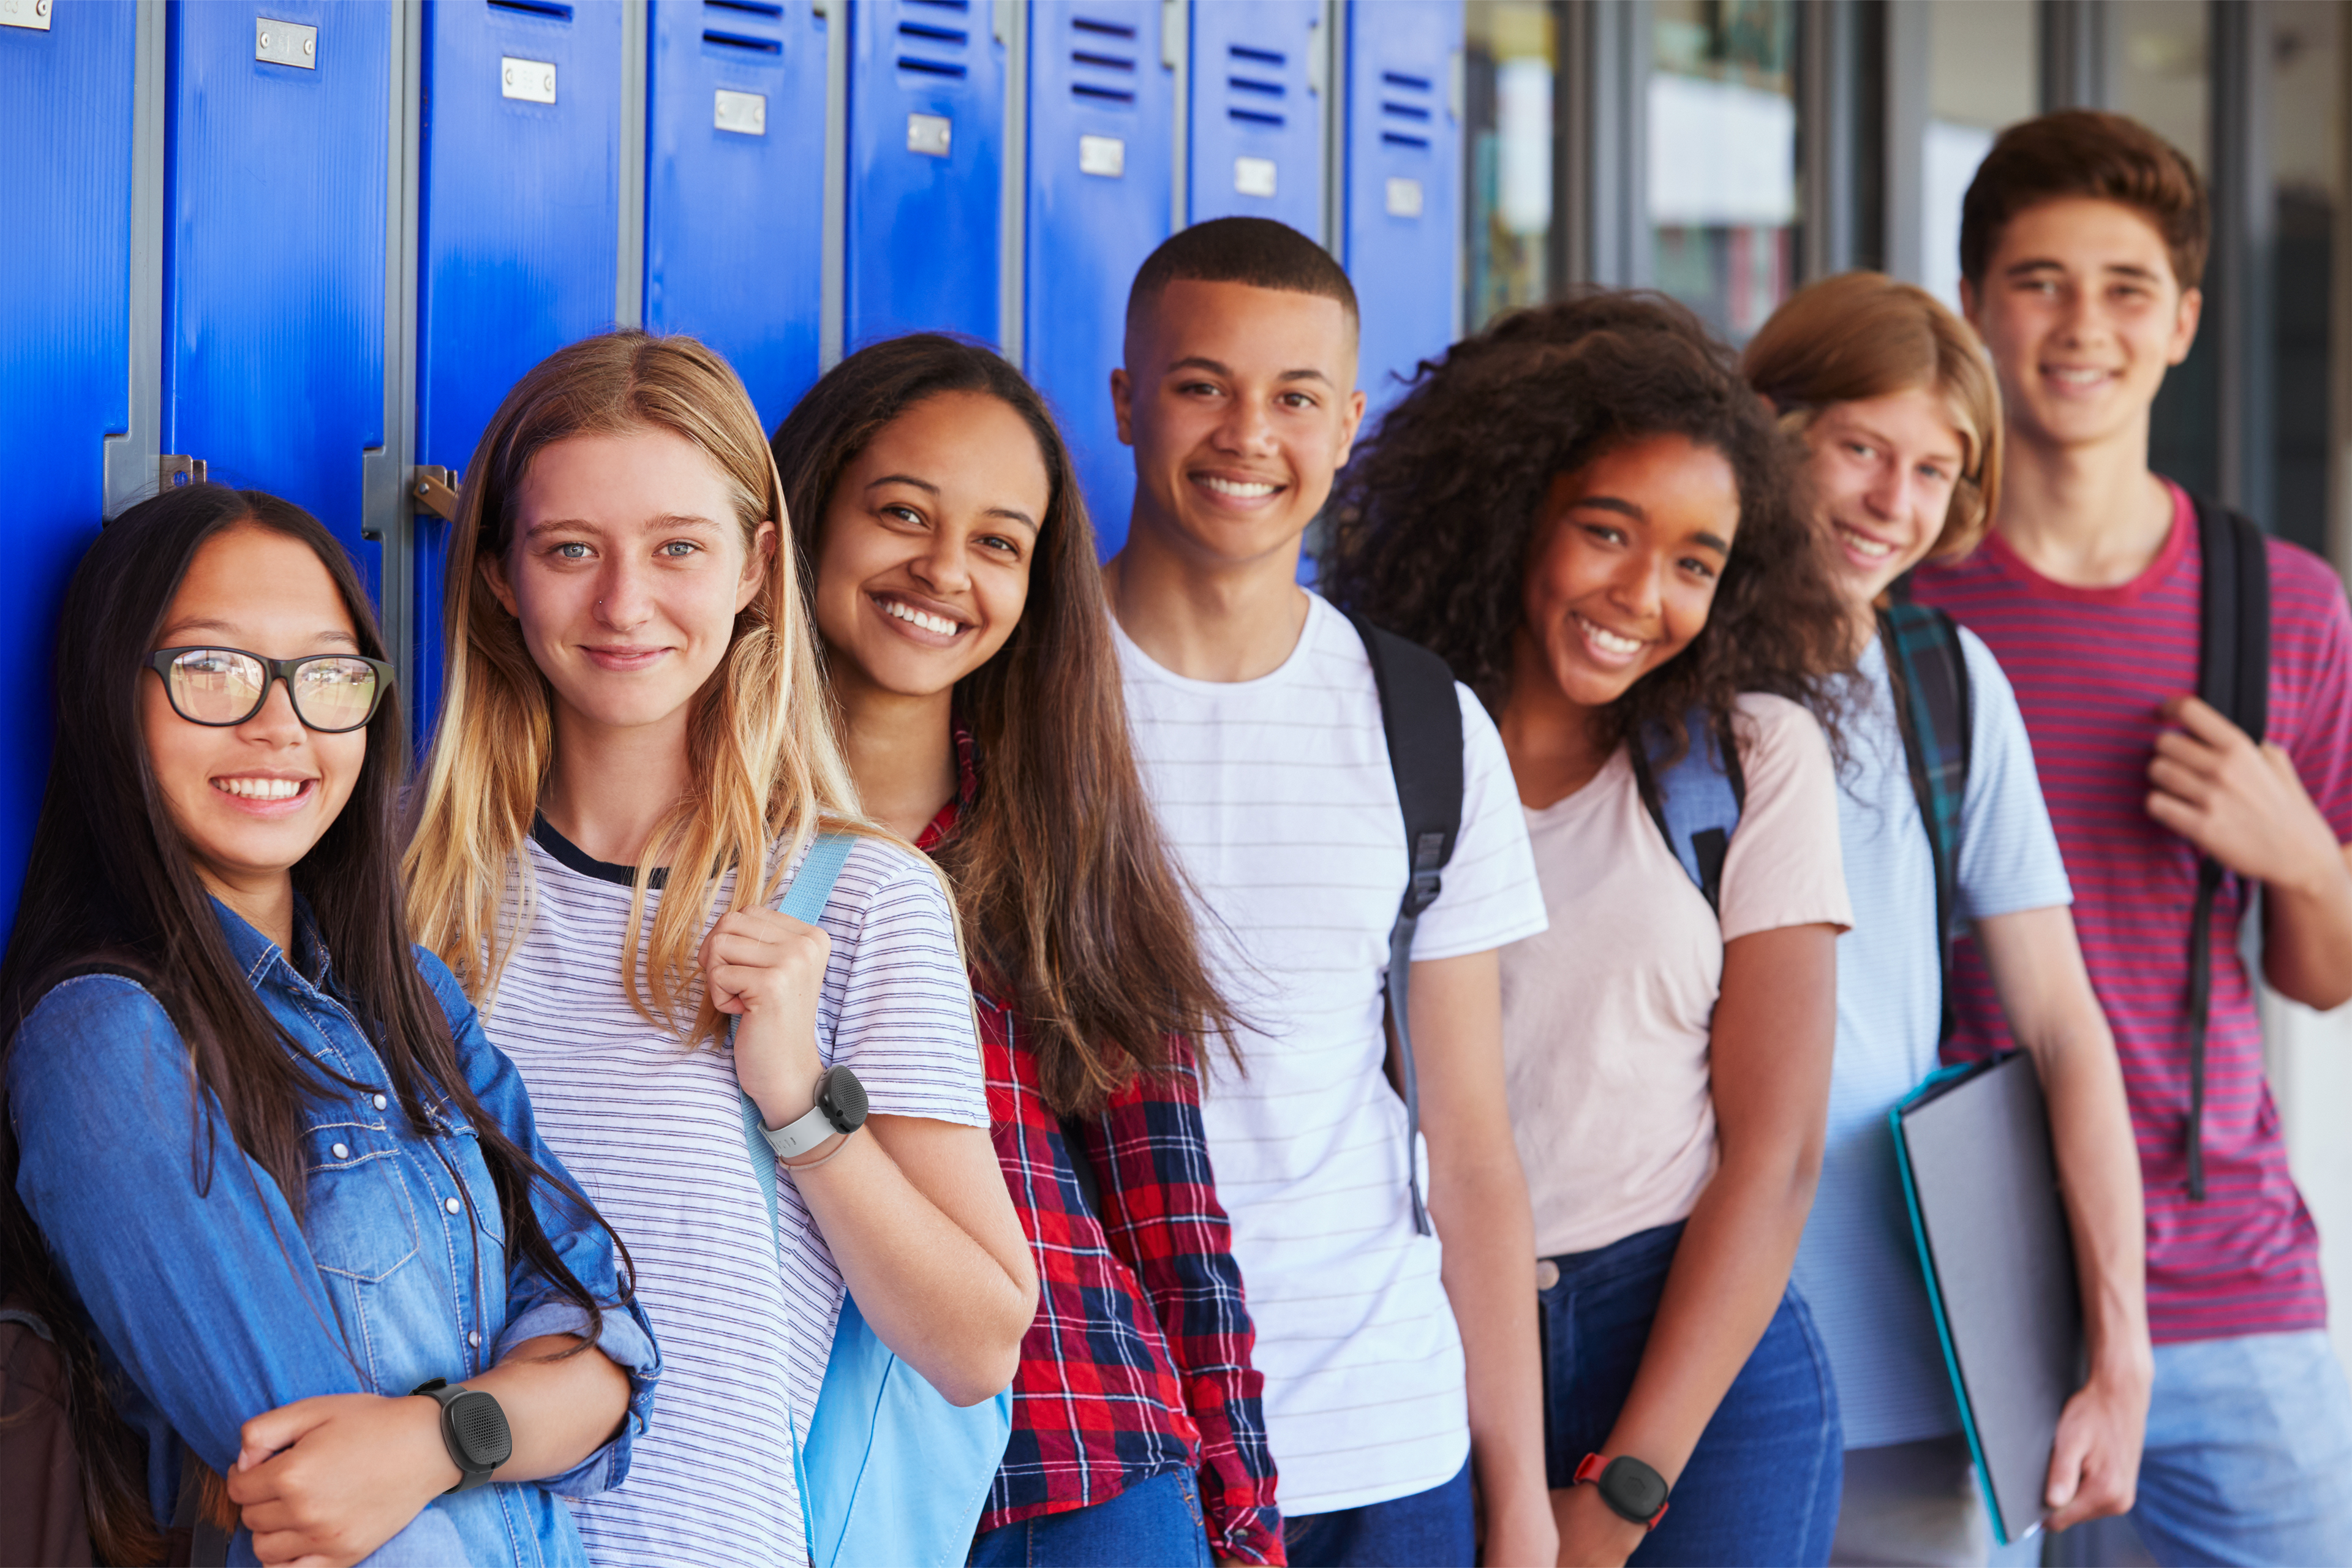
x=333 y=692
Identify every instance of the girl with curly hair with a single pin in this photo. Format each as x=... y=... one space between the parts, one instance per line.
x=1588 y=513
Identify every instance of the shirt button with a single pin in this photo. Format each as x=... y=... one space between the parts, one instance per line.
x=340 y=1152
x=454 y=1206
x=474 y=1338
x=380 y=1102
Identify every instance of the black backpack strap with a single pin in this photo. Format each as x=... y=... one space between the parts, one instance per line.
x=1934 y=708
x=1082 y=1165
x=1421 y=719
x=2233 y=674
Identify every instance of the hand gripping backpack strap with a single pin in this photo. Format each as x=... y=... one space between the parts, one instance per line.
x=2233 y=669
x=1933 y=708
x=1421 y=719
x=1697 y=802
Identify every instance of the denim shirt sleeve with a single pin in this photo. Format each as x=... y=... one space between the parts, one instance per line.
x=534 y=1305
x=186 y=1257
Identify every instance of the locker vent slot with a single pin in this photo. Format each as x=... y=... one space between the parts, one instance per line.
x=742 y=41
x=750 y=7
x=932 y=38
x=1408 y=108
x=1102 y=61
x=555 y=10
x=1255 y=91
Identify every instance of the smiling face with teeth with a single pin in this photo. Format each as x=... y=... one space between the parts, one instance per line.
x=923 y=559
x=2082 y=314
x=1882 y=471
x=1241 y=404
x=1621 y=570
x=250 y=800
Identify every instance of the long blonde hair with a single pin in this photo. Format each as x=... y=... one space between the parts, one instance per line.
x=766 y=766
x=1860 y=335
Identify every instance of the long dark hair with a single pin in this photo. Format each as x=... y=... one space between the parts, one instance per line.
x=1433 y=520
x=109 y=885
x=1069 y=898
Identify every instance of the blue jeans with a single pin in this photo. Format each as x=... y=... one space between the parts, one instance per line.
x=2249 y=1460
x=1427 y=1530
x=1154 y=1523
x=1762 y=1485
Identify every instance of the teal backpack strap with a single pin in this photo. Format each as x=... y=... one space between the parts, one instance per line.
x=1928 y=670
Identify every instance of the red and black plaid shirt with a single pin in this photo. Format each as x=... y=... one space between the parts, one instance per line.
x=1138 y=1363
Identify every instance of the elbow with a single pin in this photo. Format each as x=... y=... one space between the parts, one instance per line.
x=984 y=1366
x=982 y=1379
x=2322 y=991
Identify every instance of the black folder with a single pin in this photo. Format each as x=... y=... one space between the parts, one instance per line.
x=1973 y=1142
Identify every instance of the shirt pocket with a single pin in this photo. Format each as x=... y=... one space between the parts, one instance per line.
x=357 y=1217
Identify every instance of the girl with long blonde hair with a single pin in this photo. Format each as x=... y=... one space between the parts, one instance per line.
x=632 y=757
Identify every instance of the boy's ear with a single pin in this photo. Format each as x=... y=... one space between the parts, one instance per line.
x=2184 y=325
x=1969 y=302
x=1122 y=405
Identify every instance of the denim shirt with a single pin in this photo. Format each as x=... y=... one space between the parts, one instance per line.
x=213 y=1305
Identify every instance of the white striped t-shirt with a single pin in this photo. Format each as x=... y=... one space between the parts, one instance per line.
x=1857 y=1265
x=654 y=1131
x=1276 y=797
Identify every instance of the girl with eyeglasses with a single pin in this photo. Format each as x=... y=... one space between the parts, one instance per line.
x=269 y=1189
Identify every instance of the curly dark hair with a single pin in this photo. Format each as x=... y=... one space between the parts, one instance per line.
x=1432 y=522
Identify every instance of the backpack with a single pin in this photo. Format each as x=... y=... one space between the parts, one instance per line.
x=892 y=1475
x=41 y=1510
x=2233 y=674
x=1422 y=721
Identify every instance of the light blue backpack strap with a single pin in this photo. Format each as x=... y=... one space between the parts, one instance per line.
x=804 y=900
x=1697 y=802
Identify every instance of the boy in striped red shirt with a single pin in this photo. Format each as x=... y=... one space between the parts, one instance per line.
x=2082 y=246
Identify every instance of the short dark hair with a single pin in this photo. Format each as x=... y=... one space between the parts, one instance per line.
x=1257 y=251
x=2086 y=153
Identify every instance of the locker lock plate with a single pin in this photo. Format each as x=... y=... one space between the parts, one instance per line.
x=277 y=43
x=173 y=469
x=1405 y=197
x=533 y=81
x=33 y=14
x=436 y=489
x=1254 y=176
x=929 y=134
x=745 y=113
x=1104 y=155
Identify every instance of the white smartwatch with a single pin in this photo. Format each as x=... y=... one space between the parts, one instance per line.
x=840 y=1108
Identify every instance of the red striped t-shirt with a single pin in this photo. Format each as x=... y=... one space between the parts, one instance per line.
x=2090 y=666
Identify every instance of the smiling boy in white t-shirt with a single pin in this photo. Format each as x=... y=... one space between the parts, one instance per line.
x=1391 y=1365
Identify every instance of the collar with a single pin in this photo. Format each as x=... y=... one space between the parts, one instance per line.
x=967 y=786
x=255 y=954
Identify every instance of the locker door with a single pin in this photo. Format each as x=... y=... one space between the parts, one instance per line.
x=734 y=183
x=65 y=336
x=1402 y=185
x=925 y=161
x=1102 y=109
x=273 y=276
x=1256 y=113
x=518 y=204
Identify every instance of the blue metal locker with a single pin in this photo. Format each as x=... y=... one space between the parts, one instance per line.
x=1101 y=178
x=734 y=185
x=274 y=267
x=1256 y=115
x=926 y=169
x=1402 y=188
x=65 y=339
x=518 y=207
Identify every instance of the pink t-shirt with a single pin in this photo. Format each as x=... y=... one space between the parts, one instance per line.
x=1608 y=1014
x=2090 y=666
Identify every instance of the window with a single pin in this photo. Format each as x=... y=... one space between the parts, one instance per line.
x=1723 y=158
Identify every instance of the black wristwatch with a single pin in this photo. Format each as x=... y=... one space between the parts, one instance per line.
x=840 y=1108
x=474 y=1425
x=1634 y=1492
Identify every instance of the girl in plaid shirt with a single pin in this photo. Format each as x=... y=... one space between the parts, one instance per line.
x=953 y=583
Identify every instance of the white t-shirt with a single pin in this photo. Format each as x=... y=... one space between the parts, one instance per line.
x=1858 y=1265
x=1609 y=1016
x=654 y=1132
x=1276 y=796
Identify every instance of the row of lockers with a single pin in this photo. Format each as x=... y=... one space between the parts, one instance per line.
x=308 y=244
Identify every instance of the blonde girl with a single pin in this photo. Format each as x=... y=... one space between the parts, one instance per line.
x=632 y=755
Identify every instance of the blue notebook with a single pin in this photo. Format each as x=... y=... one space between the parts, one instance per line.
x=1973 y=1142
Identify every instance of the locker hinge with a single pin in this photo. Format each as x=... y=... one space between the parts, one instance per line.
x=436 y=489
x=1002 y=23
x=29 y=13
x=173 y=470
x=1171 y=33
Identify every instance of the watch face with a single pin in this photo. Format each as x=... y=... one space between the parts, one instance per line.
x=843 y=1099
x=479 y=1426
x=1633 y=1489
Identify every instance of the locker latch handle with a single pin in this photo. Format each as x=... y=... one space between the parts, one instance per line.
x=436 y=489
x=173 y=469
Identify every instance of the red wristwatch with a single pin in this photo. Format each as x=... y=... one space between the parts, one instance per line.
x=1634 y=1492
